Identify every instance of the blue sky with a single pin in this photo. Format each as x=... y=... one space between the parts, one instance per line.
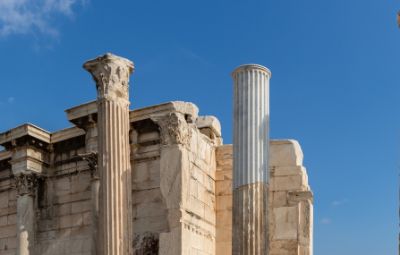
x=334 y=87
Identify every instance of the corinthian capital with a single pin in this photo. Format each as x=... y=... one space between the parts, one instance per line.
x=26 y=183
x=173 y=129
x=111 y=74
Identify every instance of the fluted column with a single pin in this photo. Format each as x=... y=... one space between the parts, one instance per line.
x=26 y=184
x=111 y=74
x=250 y=145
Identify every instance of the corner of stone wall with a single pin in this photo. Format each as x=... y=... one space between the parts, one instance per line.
x=223 y=187
x=290 y=201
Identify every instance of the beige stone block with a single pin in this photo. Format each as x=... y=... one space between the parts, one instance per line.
x=150 y=210
x=173 y=161
x=196 y=207
x=81 y=183
x=292 y=182
x=81 y=206
x=224 y=235
x=278 y=198
x=147 y=196
x=285 y=223
x=209 y=215
x=209 y=200
x=11 y=243
x=174 y=218
x=3 y=220
x=287 y=170
x=12 y=195
x=8 y=231
x=63 y=209
x=224 y=248
x=287 y=247
x=86 y=195
x=224 y=203
x=151 y=224
x=171 y=242
x=12 y=219
x=209 y=122
x=223 y=188
x=148 y=136
x=87 y=218
x=285 y=153
x=209 y=184
x=224 y=175
x=68 y=221
x=62 y=186
x=3 y=200
x=224 y=219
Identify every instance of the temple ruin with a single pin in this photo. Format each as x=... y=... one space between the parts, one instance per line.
x=155 y=180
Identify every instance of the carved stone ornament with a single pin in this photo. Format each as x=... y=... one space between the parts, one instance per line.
x=111 y=74
x=92 y=159
x=173 y=129
x=26 y=184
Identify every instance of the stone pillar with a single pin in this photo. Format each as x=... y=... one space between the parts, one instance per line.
x=92 y=160
x=111 y=74
x=26 y=184
x=250 y=146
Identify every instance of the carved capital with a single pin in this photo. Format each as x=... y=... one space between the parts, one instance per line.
x=92 y=160
x=111 y=74
x=26 y=184
x=173 y=129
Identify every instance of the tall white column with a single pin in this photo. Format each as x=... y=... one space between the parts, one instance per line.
x=250 y=162
x=26 y=184
x=111 y=74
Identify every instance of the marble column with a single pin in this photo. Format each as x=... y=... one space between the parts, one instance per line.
x=111 y=74
x=250 y=159
x=26 y=184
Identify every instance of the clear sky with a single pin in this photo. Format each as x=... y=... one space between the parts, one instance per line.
x=335 y=85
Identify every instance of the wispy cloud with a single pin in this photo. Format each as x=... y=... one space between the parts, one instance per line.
x=340 y=202
x=190 y=54
x=326 y=221
x=33 y=16
x=10 y=100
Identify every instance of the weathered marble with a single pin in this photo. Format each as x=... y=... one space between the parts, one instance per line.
x=111 y=74
x=290 y=201
x=250 y=146
x=26 y=184
x=290 y=207
x=182 y=181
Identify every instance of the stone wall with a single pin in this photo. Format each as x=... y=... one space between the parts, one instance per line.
x=64 y=206
x=8 y=208
x=223 y=177
x=181 y=186
x=290 y=209
x=173 y=182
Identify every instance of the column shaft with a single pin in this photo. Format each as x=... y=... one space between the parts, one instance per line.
x=250 y=145
x=111 y=74
x=115 y=176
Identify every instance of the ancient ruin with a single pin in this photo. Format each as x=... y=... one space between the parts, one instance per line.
x=155 y=180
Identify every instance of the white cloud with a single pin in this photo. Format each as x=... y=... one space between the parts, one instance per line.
x=326 y=221
x=33 y=16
